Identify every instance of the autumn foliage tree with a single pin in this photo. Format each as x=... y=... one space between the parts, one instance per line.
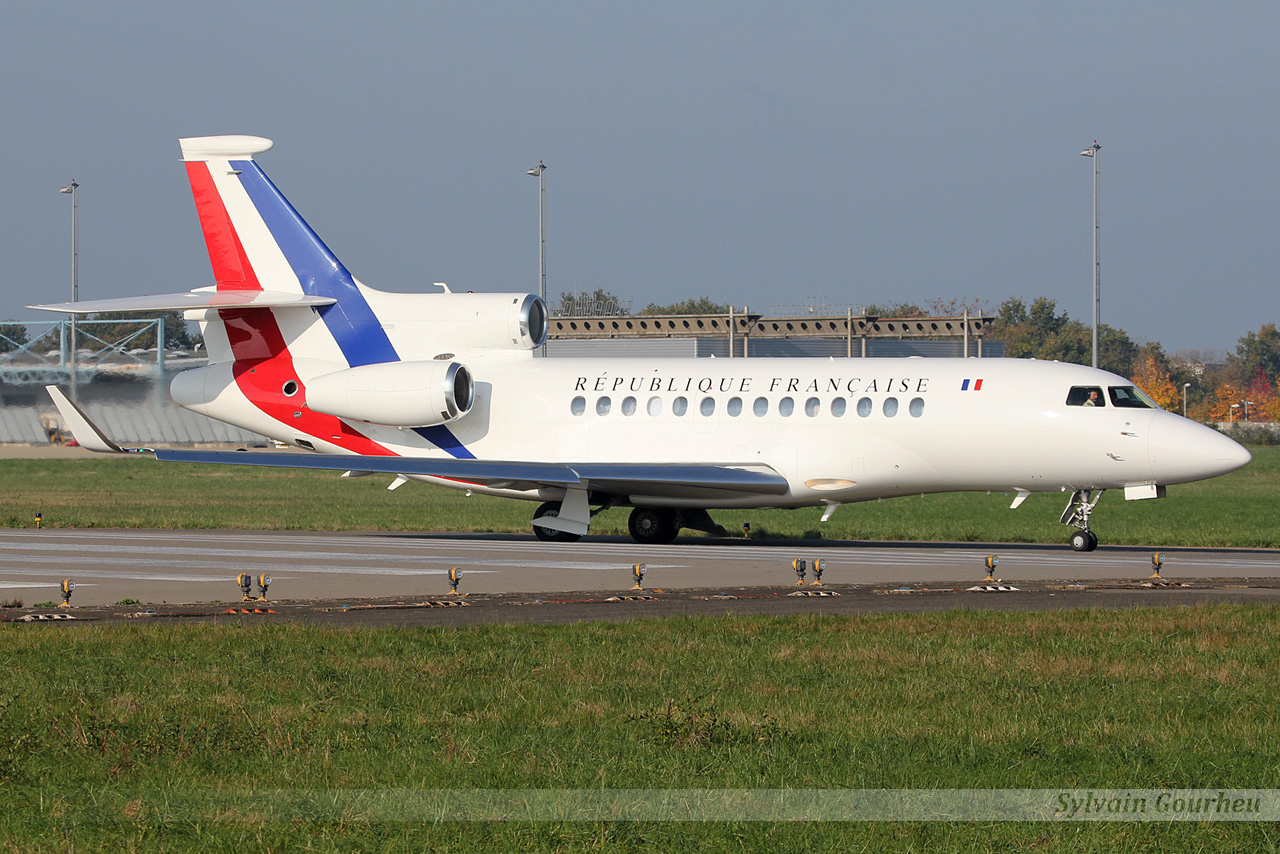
x=1152 y=376
x=1264 y=404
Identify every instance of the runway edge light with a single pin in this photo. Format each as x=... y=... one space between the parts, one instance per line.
x=798 y=565
x=991 y=563
x=245 y=580
x=455 y=576
x=1157 y=561
x=819 y=565
x=637 y=572
x=67 y=587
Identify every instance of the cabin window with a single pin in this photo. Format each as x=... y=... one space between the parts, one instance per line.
x=603 y=405
x=707 y=406
x=1131 y=397
x=735 y=406
x=655 y=406
x=629 y=406
x=838 y=406
x=679 y=406
x=890 y=407
x=916 y=408
x=578 y=405
x=812 y=406
x=1086 y=395
x=761 y=406
x=786 y=406
x=864 y=407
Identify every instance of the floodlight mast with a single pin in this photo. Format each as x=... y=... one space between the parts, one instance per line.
x=1092 y=151
x=70 y=190
x=542 y=237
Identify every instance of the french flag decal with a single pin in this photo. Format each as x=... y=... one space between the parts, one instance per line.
x=977 y=385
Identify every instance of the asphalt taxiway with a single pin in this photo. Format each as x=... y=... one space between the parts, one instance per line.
x=329 y=572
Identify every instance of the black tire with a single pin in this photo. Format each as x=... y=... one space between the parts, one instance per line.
x=1080 y=541
x=547 y=535
x=653 y=525
x=1093 y=541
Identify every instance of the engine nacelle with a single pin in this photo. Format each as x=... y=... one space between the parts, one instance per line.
x=399 y=394
x=470 y=326
x=515 y=321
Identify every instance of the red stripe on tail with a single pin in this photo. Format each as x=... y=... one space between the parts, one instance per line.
x=231 y=267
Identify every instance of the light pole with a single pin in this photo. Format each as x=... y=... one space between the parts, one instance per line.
x=1092 y=151
x=70 y=190
x=1232 y=412
x=542 y=236
x=1185 y=386
x=1247 y=404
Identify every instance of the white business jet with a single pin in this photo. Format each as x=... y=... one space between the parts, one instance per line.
x=443 y=388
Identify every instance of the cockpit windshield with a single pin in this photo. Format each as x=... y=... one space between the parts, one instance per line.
x=1131 y=397
x=1086 y=395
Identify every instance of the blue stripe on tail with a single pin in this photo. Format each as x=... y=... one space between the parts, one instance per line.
x=351 y=321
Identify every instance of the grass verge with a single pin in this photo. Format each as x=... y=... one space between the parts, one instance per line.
x=103 y=722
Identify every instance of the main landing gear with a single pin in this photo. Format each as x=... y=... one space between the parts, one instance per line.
x=653 y=525
x=547 y=535
x=661 y=525
x=648 y=525
x=1077 y=513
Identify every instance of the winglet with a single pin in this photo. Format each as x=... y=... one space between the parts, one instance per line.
x=85 y=431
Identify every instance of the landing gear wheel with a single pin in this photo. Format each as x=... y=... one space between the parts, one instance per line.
x=1079 y=541
x=1084 y=541
x=653 y=525
x=551 y=508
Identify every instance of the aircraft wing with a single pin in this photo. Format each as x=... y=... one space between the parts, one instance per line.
x=650 y=479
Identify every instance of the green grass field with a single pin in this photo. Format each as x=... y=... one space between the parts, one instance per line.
x=151 y=737
x=1235 y=510
x=99 y=725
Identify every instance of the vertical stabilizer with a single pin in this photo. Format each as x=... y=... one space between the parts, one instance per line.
x=258 y=241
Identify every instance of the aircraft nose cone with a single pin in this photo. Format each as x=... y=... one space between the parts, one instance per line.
x=1183 y=451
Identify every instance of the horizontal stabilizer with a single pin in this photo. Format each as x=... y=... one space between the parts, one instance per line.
x=621 y=478
x=228 y=147
x=192 y=300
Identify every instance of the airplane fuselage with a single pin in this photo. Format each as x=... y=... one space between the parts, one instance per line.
x=838 y=430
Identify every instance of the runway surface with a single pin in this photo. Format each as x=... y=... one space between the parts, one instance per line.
x=111 y=566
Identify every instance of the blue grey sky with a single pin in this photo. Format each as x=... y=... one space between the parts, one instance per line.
x=760 y=154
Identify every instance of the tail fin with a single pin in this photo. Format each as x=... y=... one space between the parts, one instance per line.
x=258 y=241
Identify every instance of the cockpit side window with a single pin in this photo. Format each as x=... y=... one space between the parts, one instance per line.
x=1130 y=397
x=1086 y=395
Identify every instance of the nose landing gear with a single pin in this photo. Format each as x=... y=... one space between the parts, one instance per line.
x=1077 y=513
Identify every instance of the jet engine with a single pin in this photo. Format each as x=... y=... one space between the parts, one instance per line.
x=400 y=394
